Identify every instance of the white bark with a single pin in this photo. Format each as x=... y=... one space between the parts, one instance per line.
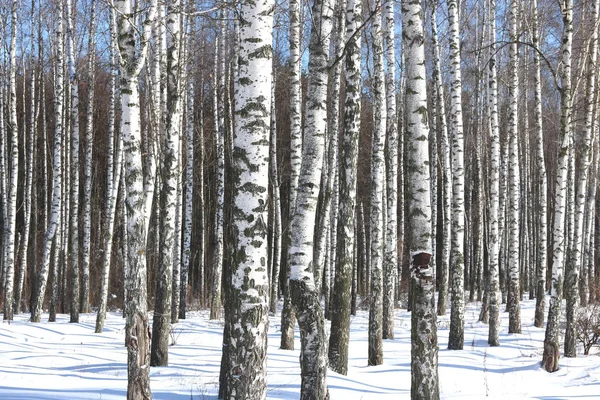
x=375 y=356
x=11 y=213
x=87 y=169
x=247 y=305
x=514 y=291
x=558 y=248
x=424 y=346
x=391 y=238
x=54 y=214
x=456 y=338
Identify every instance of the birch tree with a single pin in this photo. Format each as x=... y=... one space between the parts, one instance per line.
x=340 y=310
x=584 y=149
x=305 y=299
x=456 y=338
x=446 y=211
x=551 y=339
x=424 y=347
x=246 y=319
x=57 y=177
x=113 y=178
x=494 y=201
x=87 y=169
x=542 y=183
x=74 y=179
x=11 y=213
x=133 y=46
x=391 y=236
x=377 y=179
x=288 y=319
x=161 y=326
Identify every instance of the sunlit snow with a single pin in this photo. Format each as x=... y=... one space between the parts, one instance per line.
x=69 y=361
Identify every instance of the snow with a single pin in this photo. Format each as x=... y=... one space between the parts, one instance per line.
x=69 y=361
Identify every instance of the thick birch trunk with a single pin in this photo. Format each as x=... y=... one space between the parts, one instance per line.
x=247 y=302
x=424 y=344
x=137 y=330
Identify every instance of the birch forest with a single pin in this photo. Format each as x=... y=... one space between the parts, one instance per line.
x=303 y=160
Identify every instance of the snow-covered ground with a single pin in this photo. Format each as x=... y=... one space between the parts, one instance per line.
x=69 y=361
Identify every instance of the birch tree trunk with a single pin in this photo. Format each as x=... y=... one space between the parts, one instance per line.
x=305 y=299
x=456 y=337
x=542 y=184
x=73 y=217
x=375 y=356
x=11 y=213
x=54 y=214
x=87 y=174
x=113 y=179
x=442 y=279
x=133 y=46
x=494 y=201
x=288 y=319
x=161 y=325
x=514 y=291
x=424 y=343
x=584 y=150
x=188 y=198
x=340 y=310
x=391 y=246
x=215 y=307
x=28 y=195
x=247 y=303
x=551 y=340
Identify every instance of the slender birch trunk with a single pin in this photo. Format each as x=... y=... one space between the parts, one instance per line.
x=584 y=150
x=87 y=169
x=113 y=179
x=375 y=356
x=215 y=308
x=188 y=198
x=340 y=311
x=391 y=246
x=542 y=184
x=11 y=213
x=456 y=338
x=551 y=340
x=276 y=203
x=57 y=177
x=514 y=291
x=494 y=202
x=424 y=344
x=73 y=218
x=161 y=325
x=305 y=299
x=288 y=319
x=442 y=279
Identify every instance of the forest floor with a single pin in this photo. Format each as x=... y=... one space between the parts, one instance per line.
x=69 y=361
